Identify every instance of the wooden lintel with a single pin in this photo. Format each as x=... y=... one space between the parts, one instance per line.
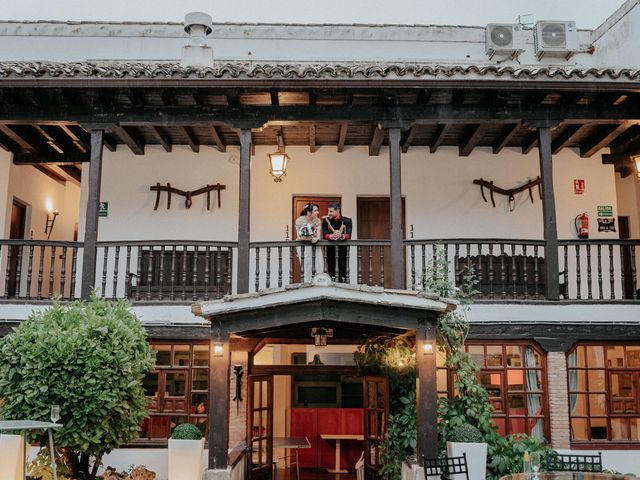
x=342 y=136
x=222 y=146
x=408 y=138
x=136 y=146
x=51 y=158
x=610 y=134
x=14 y=137
x=350 y=370
x=473 y=134
x=438 y=137
x=312 y=138
x=192 y=141
x=377 y=136
x=162 y=138
x=55 y=176
x=567 y=136
x=505 y=137
x=530 y=143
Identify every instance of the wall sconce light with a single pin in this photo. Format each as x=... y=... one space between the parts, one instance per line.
x=428 y=345
x=636 y=160
x=320 y=335
x=278 y=161
x=218 y=346
x=51 y=219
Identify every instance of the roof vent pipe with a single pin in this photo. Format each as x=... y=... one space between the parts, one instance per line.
x=197 y=53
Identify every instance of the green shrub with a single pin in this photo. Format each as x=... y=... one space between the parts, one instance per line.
x=88 y=357
x=186 y=431
x=465 y=433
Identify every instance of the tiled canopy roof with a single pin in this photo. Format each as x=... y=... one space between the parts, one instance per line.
x=305 y=71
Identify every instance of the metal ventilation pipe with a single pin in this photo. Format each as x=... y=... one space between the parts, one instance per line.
x=197 y=53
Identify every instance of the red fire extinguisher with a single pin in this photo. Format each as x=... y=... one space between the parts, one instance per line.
x=581 y=223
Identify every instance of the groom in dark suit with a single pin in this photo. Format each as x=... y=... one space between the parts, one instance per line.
x=336 y=228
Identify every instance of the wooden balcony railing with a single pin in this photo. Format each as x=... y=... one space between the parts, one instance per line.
x=186 y=271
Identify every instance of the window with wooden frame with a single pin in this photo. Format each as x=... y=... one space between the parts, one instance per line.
x=604 y=393
x=177 y=389
x=514 y=375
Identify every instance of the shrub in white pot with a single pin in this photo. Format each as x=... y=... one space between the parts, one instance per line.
x=186 y=447
x=467 y=439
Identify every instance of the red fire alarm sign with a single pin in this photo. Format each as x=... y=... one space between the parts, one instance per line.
x=578 y=186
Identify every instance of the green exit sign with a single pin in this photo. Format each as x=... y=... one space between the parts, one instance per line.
x=103 y=209
x=605 y=211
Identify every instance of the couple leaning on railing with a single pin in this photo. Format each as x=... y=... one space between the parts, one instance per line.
x=333 y=227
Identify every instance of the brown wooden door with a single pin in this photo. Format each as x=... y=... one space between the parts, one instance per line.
x=16 y=231
x=376 y=415
x=627 y=286
x=260 y=426
x=299 y=201
x=374 y=223
x=166 y=393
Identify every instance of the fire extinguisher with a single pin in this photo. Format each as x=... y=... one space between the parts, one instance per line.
x=581 y=223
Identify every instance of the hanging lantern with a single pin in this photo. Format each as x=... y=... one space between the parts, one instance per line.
x=320 y=335
x=278 y=161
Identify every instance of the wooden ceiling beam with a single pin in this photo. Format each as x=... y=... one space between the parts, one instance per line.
x=35 y=158
x=471 y=137
x=162 y=138
x=423 y=97
x=408 y=137
x=192 y=141
x=610 y=134
x=17 y=139
x=508 y=132
x=128 y=137
x=375 y=142
x=275 y=99
x=108 y=140
x=312 y=138
x=530 y=142
x=313 y=97
x=53 y=144
x=55 y=176
x=438 y=137
x=628 y=141
x=73 y=171
x=233 y=97
x=77 y=142
x=222 y=146
x=342 y=136
x=567 y=136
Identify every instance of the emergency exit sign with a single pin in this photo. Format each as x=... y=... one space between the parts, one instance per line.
x=605 y=210
x=103 y=210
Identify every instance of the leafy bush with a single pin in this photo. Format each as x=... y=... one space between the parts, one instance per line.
x=465 y=433
x=186 y=431
x=88 y=357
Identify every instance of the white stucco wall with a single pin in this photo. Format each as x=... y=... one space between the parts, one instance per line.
x=628 y=194
x=614 y=40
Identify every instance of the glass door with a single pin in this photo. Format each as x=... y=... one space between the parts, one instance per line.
x=260 y=426
x=376 y=414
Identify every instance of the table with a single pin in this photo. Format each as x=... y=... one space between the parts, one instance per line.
x=291 y=443
x=564 y=476
x=23 y=426
x=338 y=438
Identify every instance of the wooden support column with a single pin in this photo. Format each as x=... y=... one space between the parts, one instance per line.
x=244 y=211
x=549 y=214
x=91 y=219
x=427 y=394
x=219 y=373
x=397 y=249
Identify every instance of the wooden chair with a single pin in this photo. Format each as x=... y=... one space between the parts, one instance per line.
x=445 y=467
x=558 y=462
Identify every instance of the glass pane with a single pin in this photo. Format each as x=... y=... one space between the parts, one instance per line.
x=517 y=425
x=477 y=353
x=598 y=428
x=255 y=432
x=633 y=356
x=577 y=358
x=256 y=394
x=199 y=403
x=596 y=380
x=514 y=356
x=200 y=379
x=150 y=384
x=441 y=376
x=619 y=429
x=615 y=356
x=265 y=423
x=494 y=355
x=175 y=383
x=534 y=405
x=577 y=380
x=201 y=424
x=634 y=433
x=175 y=421
x=533 y=380
x=201 y=355
x=597 y=404
x=163 y=355
x=536 y=428
x=492 y=382
x=181 y=355
x=515 y=380
x=265 y=393
x=516 y=405
x=595 y=356
x=579 y=429
x=578 y=404
x=532 y=358
x=440 y=358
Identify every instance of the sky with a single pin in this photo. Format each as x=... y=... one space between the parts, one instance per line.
x=587 y=14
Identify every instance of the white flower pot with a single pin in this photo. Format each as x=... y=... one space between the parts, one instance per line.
x=185 y=459
x=476 y=458
x=11 y=457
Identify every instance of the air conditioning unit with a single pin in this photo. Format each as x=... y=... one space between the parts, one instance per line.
x=556 y=39
x=504 y=39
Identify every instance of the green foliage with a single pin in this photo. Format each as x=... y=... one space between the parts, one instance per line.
x=40 y=467
x=186 y=431
x=401 y=436
x=88 y=357
x=465 y=433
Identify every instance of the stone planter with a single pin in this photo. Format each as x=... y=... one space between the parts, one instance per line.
x=185 y=459
x=476 y=458
x=11 y=457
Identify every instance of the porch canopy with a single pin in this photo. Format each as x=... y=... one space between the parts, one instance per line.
x=353 y=312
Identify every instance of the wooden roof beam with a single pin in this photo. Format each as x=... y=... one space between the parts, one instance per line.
x=377 y=136
x=126 y=135
x=49 y=139
x=423 y=96
x=604 y=139
x=312 y=138
x=275 y=99
x=162 y=138
x=408 y=137
x=342 y=136
x=24 y=145
x=34 y=158
x=233 y=97
x=77 y=142
x=436 y=141
x=192 y=141
x=55 y=176
x=73 y=171
x=505 y=137
x=567 y=136
x=471 y=137
x=222 y=146
x=530 y=142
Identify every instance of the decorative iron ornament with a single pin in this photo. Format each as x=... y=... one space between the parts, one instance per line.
x=188 y=195
x=238 y=373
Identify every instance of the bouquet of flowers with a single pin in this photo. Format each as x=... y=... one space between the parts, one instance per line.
x=307 y=230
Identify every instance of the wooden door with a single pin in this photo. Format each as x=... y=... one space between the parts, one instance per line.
x=260 y=426
x=628 y=286
x=299 y=201
x=376 y=415
x=16 y=231
x=166 y=393
x=374 y=223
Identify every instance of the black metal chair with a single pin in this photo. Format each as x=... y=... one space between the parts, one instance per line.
x=445 y=467
x=558 y=462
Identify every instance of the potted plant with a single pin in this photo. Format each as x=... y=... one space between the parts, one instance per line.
x=467 y=439
x=186 y=446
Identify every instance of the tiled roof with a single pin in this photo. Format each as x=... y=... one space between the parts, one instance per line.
x=355 y=71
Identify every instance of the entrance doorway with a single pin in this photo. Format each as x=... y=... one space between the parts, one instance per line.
x=16 y=232
x=374 y=223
